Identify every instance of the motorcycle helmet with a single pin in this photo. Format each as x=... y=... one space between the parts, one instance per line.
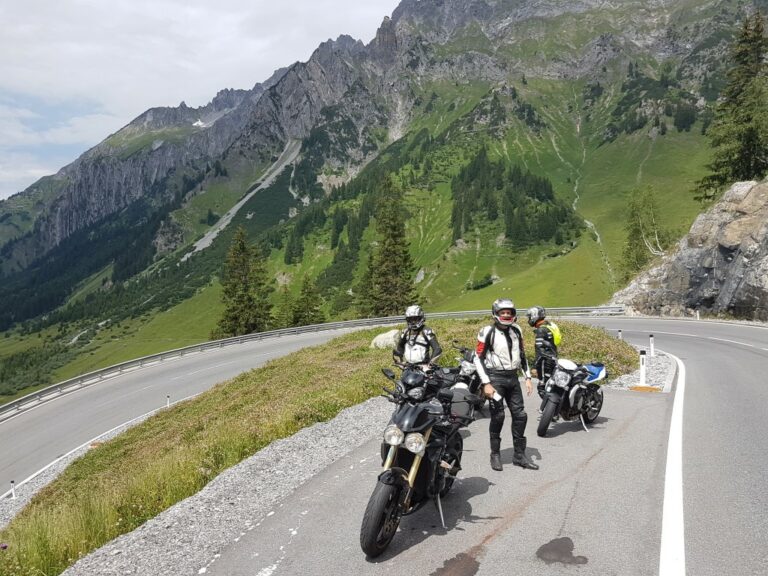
x=534 y=314
x=503 y=304
x=414 y=317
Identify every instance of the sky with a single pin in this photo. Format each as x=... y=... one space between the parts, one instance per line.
x=72 y=72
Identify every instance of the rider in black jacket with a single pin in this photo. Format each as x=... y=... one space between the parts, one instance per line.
x=548 y=338
x=499 y=356
x=417 y=344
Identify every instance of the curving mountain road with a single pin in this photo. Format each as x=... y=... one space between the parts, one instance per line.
x=595 y=507
x=38 y=436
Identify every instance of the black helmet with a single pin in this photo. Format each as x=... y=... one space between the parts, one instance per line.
x=414 y=317
x=535 y=313
x=503 y=304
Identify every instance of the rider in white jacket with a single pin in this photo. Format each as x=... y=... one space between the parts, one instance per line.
x=417 y=344
x=499 y=356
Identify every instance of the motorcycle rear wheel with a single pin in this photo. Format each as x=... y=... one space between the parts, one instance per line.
x=546 y=417
x=380 y=520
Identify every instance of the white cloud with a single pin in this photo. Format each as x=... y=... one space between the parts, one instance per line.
x=125 y=56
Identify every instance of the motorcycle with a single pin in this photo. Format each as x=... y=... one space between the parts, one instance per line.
x=421 y=455
x=464 y=376
x=572 y=392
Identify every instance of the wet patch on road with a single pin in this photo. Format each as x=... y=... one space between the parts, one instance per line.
x=462 y=564
x=560 y=550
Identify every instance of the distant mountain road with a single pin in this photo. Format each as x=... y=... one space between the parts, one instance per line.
x=288 y=155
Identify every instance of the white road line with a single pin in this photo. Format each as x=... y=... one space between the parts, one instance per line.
x=731 y=341
x=672 y=556
x=747 y=344
x=204 y=369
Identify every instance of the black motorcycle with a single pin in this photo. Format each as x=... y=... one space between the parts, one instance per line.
x=421 y=454
x=572 y=392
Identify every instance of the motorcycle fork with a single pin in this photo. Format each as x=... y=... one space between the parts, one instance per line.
x=417 y=458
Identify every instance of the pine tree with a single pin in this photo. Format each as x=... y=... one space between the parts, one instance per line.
x=389 y=289
x=738 y=135
x=307 y=309
x=284 y=314
x=245 y=291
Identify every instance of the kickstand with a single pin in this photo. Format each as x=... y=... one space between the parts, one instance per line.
x=581 y=416
x=440 y=509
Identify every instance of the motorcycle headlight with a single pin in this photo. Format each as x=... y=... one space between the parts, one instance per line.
x=393 y=435
x=415 y=442
x=561 y=378
x=416 y=393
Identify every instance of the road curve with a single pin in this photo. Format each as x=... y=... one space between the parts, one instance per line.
x=595 y=506
x=36 y=437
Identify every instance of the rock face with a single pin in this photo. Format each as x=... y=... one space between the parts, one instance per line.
x=721 y=265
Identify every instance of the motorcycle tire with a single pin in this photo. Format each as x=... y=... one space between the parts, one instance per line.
x=595 y=404
x=380 y=520
x=546 y=417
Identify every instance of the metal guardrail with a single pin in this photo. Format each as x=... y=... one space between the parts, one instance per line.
x=78 y=382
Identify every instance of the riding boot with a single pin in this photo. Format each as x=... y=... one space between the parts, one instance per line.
x=495 y=456
x=521 y=458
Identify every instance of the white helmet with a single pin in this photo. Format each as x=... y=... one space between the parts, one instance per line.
x=414 y=317
x=503 y=304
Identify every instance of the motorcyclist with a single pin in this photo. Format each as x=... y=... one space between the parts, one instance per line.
x=548 y=338
x=417 y=344
x=499 y=356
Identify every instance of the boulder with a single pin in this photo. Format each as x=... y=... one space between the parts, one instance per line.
x=385 y=340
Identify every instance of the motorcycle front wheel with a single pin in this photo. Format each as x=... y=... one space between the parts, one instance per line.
x=546 y=417
x=594 y=405
x=380 y=520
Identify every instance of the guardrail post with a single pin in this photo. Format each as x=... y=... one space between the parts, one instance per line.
x=13 y=490
x=642 y=367
x=652 y=352
x=620 y=336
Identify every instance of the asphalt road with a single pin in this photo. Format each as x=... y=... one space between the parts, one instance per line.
x=595 y=506
x=36 y=437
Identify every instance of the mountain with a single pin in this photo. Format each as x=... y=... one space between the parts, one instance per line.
x=594 y=97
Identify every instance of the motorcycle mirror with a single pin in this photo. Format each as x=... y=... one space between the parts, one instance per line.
x=388 y=373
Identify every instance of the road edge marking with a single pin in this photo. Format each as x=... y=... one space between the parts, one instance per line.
x=672 y=553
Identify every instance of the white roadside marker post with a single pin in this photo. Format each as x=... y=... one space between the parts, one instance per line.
x=167 y=400
x=13 y=490
x=652 y=353
x=642 y=367
x=620 y=337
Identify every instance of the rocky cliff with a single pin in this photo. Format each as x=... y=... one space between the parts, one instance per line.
x=720 y=266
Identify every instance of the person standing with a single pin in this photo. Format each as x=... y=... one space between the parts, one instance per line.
x=548 y=338
x=499 y=358
x=417 y=344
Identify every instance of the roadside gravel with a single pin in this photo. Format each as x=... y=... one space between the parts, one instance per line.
x=187 y=538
